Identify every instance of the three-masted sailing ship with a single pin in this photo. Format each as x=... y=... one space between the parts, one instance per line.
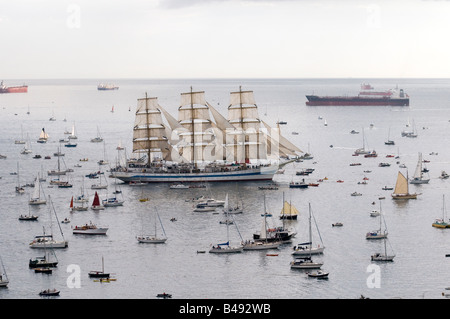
x=199 y=147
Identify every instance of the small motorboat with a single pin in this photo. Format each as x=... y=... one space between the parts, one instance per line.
x=44 y=270
x=49 y=292
x=318 y=274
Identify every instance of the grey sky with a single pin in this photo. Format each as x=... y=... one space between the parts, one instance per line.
x=224 y=38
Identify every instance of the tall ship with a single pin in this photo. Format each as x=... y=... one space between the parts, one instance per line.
x=13 y=89
x=203 y=145
x=106 y=87
x=392 y=97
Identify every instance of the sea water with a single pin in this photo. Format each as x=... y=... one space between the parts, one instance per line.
x=419 y=269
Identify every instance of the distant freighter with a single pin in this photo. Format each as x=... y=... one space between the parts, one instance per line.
x=13 y=89
x=104 y=87
x=365 y=97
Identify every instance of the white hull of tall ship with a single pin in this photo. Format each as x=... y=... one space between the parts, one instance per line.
x=262 y=173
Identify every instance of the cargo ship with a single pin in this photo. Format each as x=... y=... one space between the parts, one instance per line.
x=106 y=87
x=366 y=96
x=13 y=89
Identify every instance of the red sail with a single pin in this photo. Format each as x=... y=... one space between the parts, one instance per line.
x=96 y=201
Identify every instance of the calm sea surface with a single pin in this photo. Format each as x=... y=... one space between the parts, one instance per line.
x=420 y=268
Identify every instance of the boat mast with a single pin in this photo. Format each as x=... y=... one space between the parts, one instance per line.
x=149 y=159
x=310 y=235
x=244 y=151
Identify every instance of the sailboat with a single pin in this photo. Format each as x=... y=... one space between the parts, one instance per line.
x=382 y=256
x=43 y=137
x=230 y=210
x=119 y=146
x=401 y=190
x=389 y=141
x=225 y=248
x=377 y=234
x=112 y=202
x=440 y=222
x=98 y=138
x=99 y=274
x=73 y=135
x=36 y=197
x=58 y=171
x=27 y=148
x=288 y=211
x=96 y=203
x=104 y=160
x=77 y=208
x=153 y=239
x=100 y=185
x=44 y=261
x=47 y=241
x=363 y=149
x=262 y=244
x=4 y=281
x=305 y=249
x=28 y=217
x=19 y=189
x=306 y=262
x=21 y=141
x=418 y=174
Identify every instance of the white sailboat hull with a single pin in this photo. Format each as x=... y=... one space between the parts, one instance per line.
x=37 y=202
x=306 y=265
x=49 y=244
x=419 y=181
x=151 y=240
x=226 y=250
x=307 y=251
x=261 y=246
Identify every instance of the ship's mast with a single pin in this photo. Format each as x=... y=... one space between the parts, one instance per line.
x=244 y=153
x=149 y=159
x=192 y=132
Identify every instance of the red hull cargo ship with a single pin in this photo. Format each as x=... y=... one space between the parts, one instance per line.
x=392 y=97
x=13 y=89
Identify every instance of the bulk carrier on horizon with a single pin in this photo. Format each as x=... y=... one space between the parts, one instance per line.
x=366 y=96
x=13 y=89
